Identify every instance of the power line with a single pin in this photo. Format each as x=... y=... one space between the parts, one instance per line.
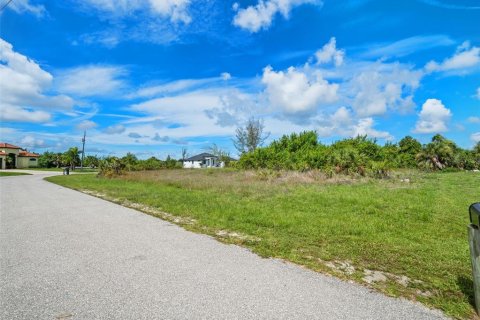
x=5 y=5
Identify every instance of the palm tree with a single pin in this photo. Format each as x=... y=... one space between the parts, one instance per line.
x=129 y=160
x=58 y=159
x=438 y=154
x=71 y=157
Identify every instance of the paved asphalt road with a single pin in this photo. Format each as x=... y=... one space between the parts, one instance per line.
x=67 y=255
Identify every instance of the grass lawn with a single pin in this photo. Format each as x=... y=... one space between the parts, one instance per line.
x=413 y=232
x=9 y=174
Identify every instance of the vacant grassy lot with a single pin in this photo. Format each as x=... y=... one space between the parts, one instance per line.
x=410 y=234
x=8 y=174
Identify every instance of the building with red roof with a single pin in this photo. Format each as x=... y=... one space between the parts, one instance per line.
x=12 y=157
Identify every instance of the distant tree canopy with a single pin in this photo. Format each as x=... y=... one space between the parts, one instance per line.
x=48 y=160
x=70 y=158
x=360 y=155
x=111 y=166
x=91 y=161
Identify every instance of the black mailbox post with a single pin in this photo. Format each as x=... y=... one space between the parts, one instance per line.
x=474 y=243
x=475 y=214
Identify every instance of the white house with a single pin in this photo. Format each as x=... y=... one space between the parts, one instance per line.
x=203 y=160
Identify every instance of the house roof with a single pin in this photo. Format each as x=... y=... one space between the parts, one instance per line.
x=28 y=154
x=8 y=145
x=201 y=156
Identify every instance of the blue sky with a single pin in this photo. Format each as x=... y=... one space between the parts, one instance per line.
x=155 y=76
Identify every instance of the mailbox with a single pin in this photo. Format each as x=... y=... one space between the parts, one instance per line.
x=475 y=214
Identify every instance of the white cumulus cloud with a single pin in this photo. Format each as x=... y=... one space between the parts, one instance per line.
x=175 y=9
x=24 y=92
x=343 y=123
x=465 y=58
x=383 y=87
x=294 y=91
x=17 y=114
x=260 y=16
x=365 y=127
x=330 y=53
x=433 y=117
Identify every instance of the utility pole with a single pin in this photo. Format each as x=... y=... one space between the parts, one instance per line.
x=83 y=147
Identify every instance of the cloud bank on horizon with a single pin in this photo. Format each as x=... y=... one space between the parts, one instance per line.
x=155 y=76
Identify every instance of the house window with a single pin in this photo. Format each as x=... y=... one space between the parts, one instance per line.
x=33 y=159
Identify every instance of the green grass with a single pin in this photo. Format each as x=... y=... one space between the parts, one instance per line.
x=61 y=169
x=9 y=174
x=415 y=229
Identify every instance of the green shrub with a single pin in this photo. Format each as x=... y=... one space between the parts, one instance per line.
x=110 y=167
x=358 y=156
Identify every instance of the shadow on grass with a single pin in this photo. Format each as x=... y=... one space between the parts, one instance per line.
x=466 y=285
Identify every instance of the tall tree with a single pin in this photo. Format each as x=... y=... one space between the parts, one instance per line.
x=409 y=148
x=438 y=154
x=184 y=154
x=47 y=160
x=251 y=136
x=58 y=159
x=72 y=157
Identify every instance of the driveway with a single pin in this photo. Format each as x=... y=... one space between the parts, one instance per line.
x=67 y=255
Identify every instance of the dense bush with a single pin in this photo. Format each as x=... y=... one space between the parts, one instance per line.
x=50 y=160
x=91 y=161
x=295 y=152
x=358 y=156
x=110 y=166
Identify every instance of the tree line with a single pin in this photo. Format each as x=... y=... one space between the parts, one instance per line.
x=69 y=158
x=130 y=162
x=360 y=155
